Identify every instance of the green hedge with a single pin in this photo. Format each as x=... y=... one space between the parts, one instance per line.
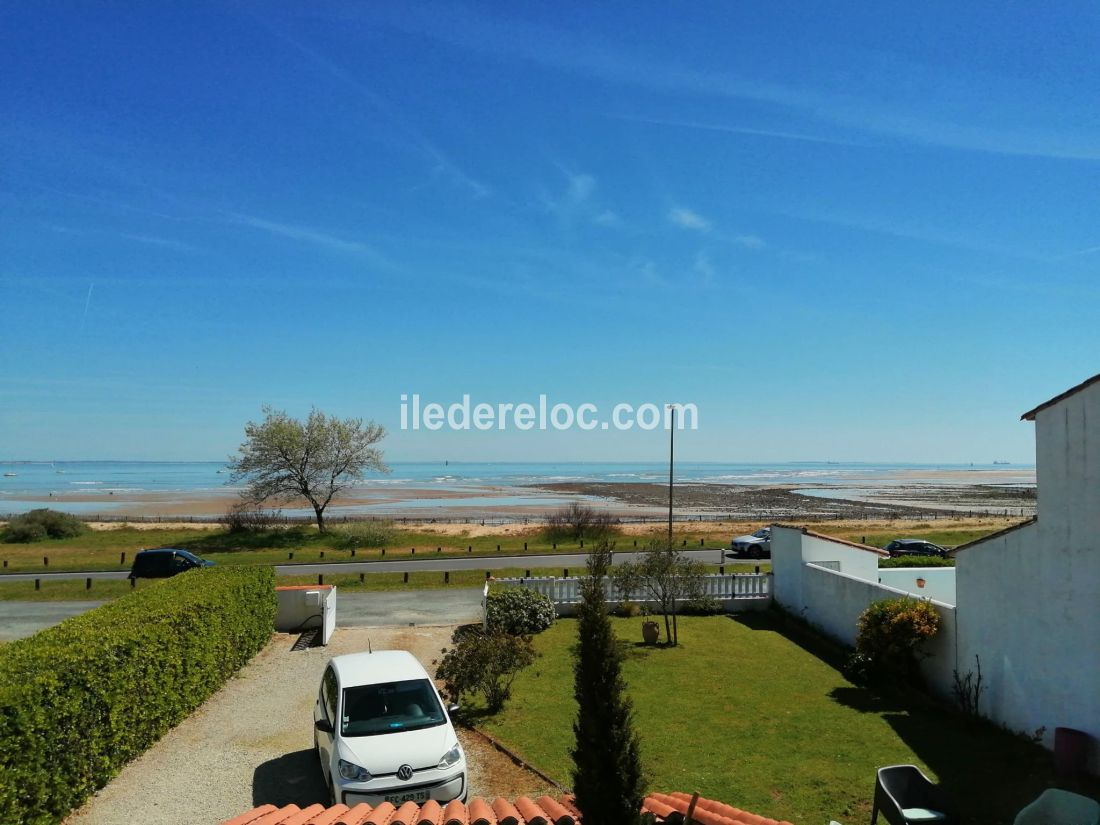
x=916 y=561
x=81 y=699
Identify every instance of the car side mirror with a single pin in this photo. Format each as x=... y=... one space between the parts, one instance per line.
x=323 y=725
x=452 y=708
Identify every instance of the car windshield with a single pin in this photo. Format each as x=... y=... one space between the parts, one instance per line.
x=390 y=707
x=762 y=534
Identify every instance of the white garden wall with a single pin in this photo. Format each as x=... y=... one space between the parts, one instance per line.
x=939 y=582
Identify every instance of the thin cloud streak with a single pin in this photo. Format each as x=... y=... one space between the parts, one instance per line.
x=558 y=50
x=87 y=304
x=441 y=163
x=743 y=130
x=309 y=235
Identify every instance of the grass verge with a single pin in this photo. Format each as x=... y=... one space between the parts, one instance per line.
x=740 y=712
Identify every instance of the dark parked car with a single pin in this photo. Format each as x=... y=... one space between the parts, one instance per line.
x=915 y=547
x=164 y=562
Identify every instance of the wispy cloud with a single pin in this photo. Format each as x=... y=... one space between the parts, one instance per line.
x=745 y=130
x=150 y=240
x=608 y=218
x=579 y=202
x=749 y=241
x=688 y=219
x=309 y=235
x=441 y=163
x=937 y=124
x=87 y=304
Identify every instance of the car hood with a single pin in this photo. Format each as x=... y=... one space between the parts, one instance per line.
x=387 y=752
x=749 y=540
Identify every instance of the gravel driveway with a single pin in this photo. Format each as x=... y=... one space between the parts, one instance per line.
x=252 y=742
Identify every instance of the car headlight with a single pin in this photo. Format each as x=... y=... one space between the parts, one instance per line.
x=450 y=757
x=352 y=772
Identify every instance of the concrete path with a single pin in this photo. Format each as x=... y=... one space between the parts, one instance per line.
x=252 y=742
x=461 y=605
x=19 y=619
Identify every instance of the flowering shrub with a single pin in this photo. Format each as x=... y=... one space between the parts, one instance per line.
x=892 y=630
x=519 y=611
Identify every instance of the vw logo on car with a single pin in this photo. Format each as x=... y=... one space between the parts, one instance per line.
x=405 y=772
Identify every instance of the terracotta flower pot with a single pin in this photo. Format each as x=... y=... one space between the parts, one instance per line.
x=651 y=632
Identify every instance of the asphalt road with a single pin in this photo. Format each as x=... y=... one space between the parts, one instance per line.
x=570 y=561
x=460 y=605
x=19 y=619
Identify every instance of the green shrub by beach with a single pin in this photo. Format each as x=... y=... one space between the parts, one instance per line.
x=42 y=524
x=357 y=534
x=577 y=521
x=519 y=611
x=81 y=699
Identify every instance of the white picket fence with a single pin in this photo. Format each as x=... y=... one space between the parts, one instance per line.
x=723 y=587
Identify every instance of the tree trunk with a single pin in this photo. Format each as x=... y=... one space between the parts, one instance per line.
x=320 y=511
x=675 y=629
x=668 y=630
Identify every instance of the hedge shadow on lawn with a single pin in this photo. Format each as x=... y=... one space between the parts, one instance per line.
x=291 y=779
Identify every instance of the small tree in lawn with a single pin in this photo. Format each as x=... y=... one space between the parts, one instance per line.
x=664 y=576
x=607 y=771
x=283 y=458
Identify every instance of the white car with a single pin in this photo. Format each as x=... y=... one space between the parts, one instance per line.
x=758 y=545
x=382 y=733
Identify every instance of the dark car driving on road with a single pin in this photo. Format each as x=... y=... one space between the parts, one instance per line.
x=164 y=562
x=914 y=547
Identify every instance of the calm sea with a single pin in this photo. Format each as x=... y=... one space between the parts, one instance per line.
x=91 y=477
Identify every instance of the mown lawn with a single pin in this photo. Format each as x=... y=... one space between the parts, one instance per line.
x=742 y=713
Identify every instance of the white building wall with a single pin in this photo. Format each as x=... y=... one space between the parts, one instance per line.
x=1029 y=600
x=791 y=548
x=939 y=582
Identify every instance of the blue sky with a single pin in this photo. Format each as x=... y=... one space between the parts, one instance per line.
x=867 y=232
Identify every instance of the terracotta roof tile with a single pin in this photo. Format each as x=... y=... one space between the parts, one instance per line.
x=506 y=812
x=531 y=812
x=455 y=813
x=407 y=814
x=356 y=816
x=431 y=813
x=555 y=811
x=381 y=815
x=667 y=809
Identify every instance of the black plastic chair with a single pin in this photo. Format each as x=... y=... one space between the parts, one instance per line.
x=905 y=796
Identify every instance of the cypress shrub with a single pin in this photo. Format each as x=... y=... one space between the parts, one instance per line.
x=81 y=699
x=607 y=770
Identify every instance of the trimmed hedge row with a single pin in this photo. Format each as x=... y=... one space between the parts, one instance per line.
x=81 y=699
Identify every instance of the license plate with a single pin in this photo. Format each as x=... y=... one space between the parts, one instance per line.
x=412 y=796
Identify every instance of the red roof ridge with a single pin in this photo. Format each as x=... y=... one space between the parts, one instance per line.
x=523 y=811
x=1088 y=382
x=998 y=534
x=878 y=551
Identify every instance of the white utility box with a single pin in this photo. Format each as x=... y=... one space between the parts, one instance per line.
x=304 y=607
